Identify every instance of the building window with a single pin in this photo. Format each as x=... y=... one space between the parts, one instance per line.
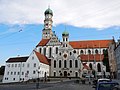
x=74 y=51
x=34 y=72
x=8 y=65
x=63 y=39
x=60 y=53
x=50 y=52
x=11 y=73
x=27 y=72
x=89 y=52
x=22 y=73
x=44 y=51
x=76 y=63
x=12 y=65
x=70 y=53
x=59 y=63
x=66 y=39
x=90 y=65
x=18 y=73
x=76 y=74
x=54 y=74
x=32 y=58
x=23 y=65
x=65 y=64
x=15 y=65
x=54 y=64
x=7 y=73
x=34 y=64
x=96 y=51
x=14 y=73
x=18 y=65
x=56 y=50
x=70 y=63
x=40 y=50
x=99 y=67
x=81 y=52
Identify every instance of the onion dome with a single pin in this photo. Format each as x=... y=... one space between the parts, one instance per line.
x=48 y=11
x=65 y=33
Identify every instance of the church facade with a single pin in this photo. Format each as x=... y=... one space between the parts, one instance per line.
x=55 y=58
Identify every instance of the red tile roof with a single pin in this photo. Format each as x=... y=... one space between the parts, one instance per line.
x=90 y=44
x=43 y=42
x=42 y=58
x=17 y=59
x=91 y=57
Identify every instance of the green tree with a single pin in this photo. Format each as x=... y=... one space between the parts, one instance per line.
x=2 y=69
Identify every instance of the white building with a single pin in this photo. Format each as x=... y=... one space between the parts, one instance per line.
x=55 y=58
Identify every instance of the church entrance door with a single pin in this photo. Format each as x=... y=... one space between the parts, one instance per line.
x=65 y=73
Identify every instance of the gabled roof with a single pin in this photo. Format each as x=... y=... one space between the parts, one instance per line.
x=42 y=58
x=43 y=42
x=90 y=44
x=91 y=57
x=17 y=59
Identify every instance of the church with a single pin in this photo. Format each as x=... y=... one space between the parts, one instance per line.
x=55 y=58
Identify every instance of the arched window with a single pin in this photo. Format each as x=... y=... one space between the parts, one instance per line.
x=103 y=51
x=65 y=64
x=59 y=63
x=96 y=51
x=99 y=67
x=54 y=63
x=70 y=63
x=90 y=65
x=56 y=50
x=66 y=39
x=40 y=50
x=50 y=52
x=70 y=53
x=89 y=52
x=76 y=74
x=54 y=74
x=81 y=52
x=76 y=63
x=44 y=51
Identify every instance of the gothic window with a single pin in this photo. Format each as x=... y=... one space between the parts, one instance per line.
x=54 y=64
x=90 y=65
x=65 y=64
x=81 y=52
x=96 y=51
x=60 y=53
x=89 y=52
x=44 y=51
x=56 y=50
x=99 y=67
x=63 y=39
x=59 y=63
x=50 y=52
x=40 y=50
x=70 y=63
x=76 y=63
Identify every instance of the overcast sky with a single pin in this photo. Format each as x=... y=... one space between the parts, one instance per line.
x=84 y=20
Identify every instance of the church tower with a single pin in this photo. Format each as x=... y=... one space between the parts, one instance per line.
x=65 y=36
x=47 y=31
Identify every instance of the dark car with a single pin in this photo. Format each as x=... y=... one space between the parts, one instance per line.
x=107 y=86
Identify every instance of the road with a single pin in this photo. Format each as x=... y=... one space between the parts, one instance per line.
x=48 y=86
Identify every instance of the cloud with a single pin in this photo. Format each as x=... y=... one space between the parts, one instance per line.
x=79 y=13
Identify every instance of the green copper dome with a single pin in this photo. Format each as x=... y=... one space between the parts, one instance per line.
x=65 y=33
x=48 y=11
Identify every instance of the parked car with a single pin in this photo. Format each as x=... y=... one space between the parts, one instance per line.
x=101 y=80
x=107 y=86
